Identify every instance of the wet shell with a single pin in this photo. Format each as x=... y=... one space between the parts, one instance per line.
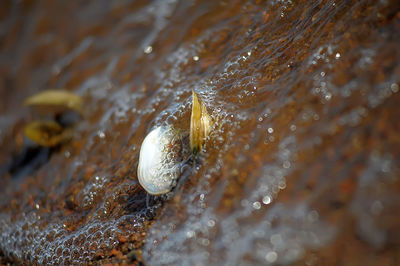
x=160 y=154
x=159 y=160
x=200 y=124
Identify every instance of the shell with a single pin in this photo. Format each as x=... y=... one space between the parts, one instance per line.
x=200 y=124
x=55 y=101
x=158 y=166
x=161 y=151
x=47 y=133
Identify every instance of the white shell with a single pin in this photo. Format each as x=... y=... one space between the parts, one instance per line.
x=158 y=168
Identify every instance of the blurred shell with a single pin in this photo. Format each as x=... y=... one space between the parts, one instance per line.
x=158 y=166
x=200 y=124
x=46 y=133
x=55 y=101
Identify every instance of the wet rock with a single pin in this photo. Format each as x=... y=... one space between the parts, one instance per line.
x=302 y=163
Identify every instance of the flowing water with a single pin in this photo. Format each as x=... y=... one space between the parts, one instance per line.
x=301 y=167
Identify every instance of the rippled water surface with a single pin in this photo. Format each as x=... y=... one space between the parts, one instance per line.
x=301 y=167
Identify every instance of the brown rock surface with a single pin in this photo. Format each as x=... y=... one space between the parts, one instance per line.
x=301 y=167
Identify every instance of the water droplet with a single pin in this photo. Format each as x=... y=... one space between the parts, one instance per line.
x=394 y=87
x=190 y=234
x=148 y=49
x=328 y=96
x=256 y=205
x=101 y=134
x=205 y=242
x=195 y=58
x=337 y=56
x=282 y=185
x=286 y=164
x=211 y=223
x=271 y=256
x=266 y=200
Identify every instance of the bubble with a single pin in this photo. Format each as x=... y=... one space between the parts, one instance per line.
x=286 y=164
x=148 y=49
x=282 y=185
x=190 y=234
x=202 y=196
x=394 y=87
x=271 y=256
x=276 y=239
x=101 y=134
x=256 y=205
x=205 y=242
x=211 y=223
x=328 y=96
x=266 y=200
